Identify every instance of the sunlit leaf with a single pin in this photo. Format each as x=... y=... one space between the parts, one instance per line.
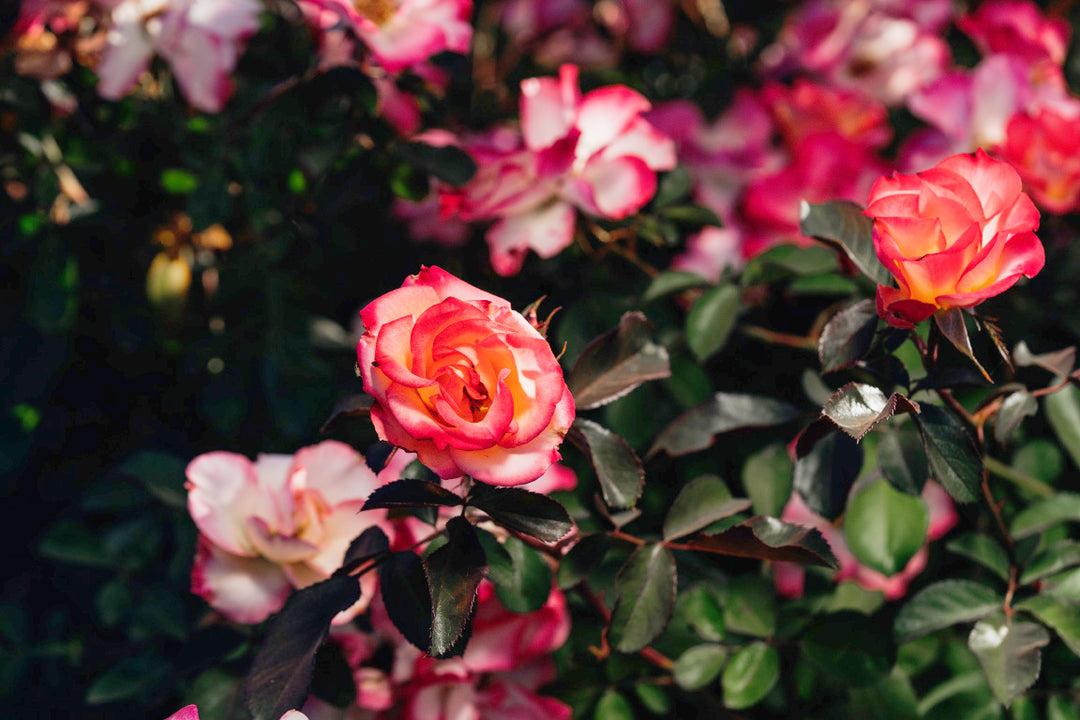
x=617 y=362
x=847 y=337
x=842 y=225
x=701 y=502
x=749 y=675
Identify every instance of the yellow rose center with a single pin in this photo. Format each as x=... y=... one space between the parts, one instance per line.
x=377 y=11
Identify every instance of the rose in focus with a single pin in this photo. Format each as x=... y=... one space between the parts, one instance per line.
x=463 y=380
x=952 y=236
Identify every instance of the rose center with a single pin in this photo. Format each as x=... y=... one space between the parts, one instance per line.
x=377 y=11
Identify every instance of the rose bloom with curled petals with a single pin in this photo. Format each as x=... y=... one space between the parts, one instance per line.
x=952 y=236
x=463 y=380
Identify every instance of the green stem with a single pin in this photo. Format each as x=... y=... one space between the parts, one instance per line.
x=1021 y=480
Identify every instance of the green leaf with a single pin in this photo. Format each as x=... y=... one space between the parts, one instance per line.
x=410 y=494
x=162 y=474
x=618 y=468
x=823 y=284
x=694 y=215
x=52 y=304
x=673 y=186
x=454 y=572
x=450 y=164
x=749 y=607
x=698 y=666
x=1057 y=557
x=1063 y=411
x=584 y=558
x=784 y=261
x=884 y=528
x=856 y=408
x=281 y=673
x=950 y=453
x=1062 y=707
x=653 y=698
x=671 y=282
x=142 y=674
x=1014 y=409
x=942 y=604
x=982 y=549
x=724 y=412
x=701 y=502
x=404 y=588
x=1063 y=586
x=847 y=337
x=617 y=362
x=217 y=693
x=766 y=538
x=613 y=706
x=963 y=697
x=1062 y=619
x=114 y=602
x=767 y=479
x=890 y=698
x=902 y=460
x=645 y=598
x=841 y=225
x=1045 y=514
x=823 y=478
x=1009 y=654
x=69 y=541
x=850 y=648
x=527 y=512
x=750 y=675
x=711 y=320
x=702 y=612
x=530 y=584
x=178 y=181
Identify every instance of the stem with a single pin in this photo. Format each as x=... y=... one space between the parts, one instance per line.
x=996 y=510
x=1021 y=480
x=1071 y=378
x=1007 y=607
x=779 y=338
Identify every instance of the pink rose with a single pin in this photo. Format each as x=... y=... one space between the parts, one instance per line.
x=200 y=39
x=192 y=713
x=1045 y=149
x=1017 y=27
x=463 y=380
x=596 y=153
x=506 y=661
x=952 y=236
x=789 y=577
x=279 y=523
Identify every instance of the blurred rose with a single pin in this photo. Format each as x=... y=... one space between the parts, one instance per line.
x=506 y=661
x=200 y=39
x=281 y=522
x=806 y=108
x=789 y=577
x=952 y=236
x=1045 y=149
x=192 y=713
x=399 y=33
x=596 y=153
x=1017 y=27
x=463 y=380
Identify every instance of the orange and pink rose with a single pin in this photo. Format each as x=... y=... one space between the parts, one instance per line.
x=463 y=380
x=952 y=236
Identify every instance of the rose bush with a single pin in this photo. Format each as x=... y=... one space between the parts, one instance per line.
x=952 y=236
x=463 y=380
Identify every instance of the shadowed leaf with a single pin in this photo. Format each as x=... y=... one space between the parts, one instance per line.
x=409 y=494
x=850 y=648
x=1062 y=619
x=454 y=572
x=823 y=478
x=281 y=673
x=1063 y=411
x=365 y=546
x=847 y=337
x=1045 y=514
x=527 y=512
x=725 y=412
x=1014 y=409
x=618 y=468
x=842 y=225
x=617 y=362
x=450 y=164
x=982 y=549
x=671 y=282
x=585 y=557
x=902 y=459
x=404 y=588
x=766 y=538
x=352 y=406
x=645 y=599
x=950 y=453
